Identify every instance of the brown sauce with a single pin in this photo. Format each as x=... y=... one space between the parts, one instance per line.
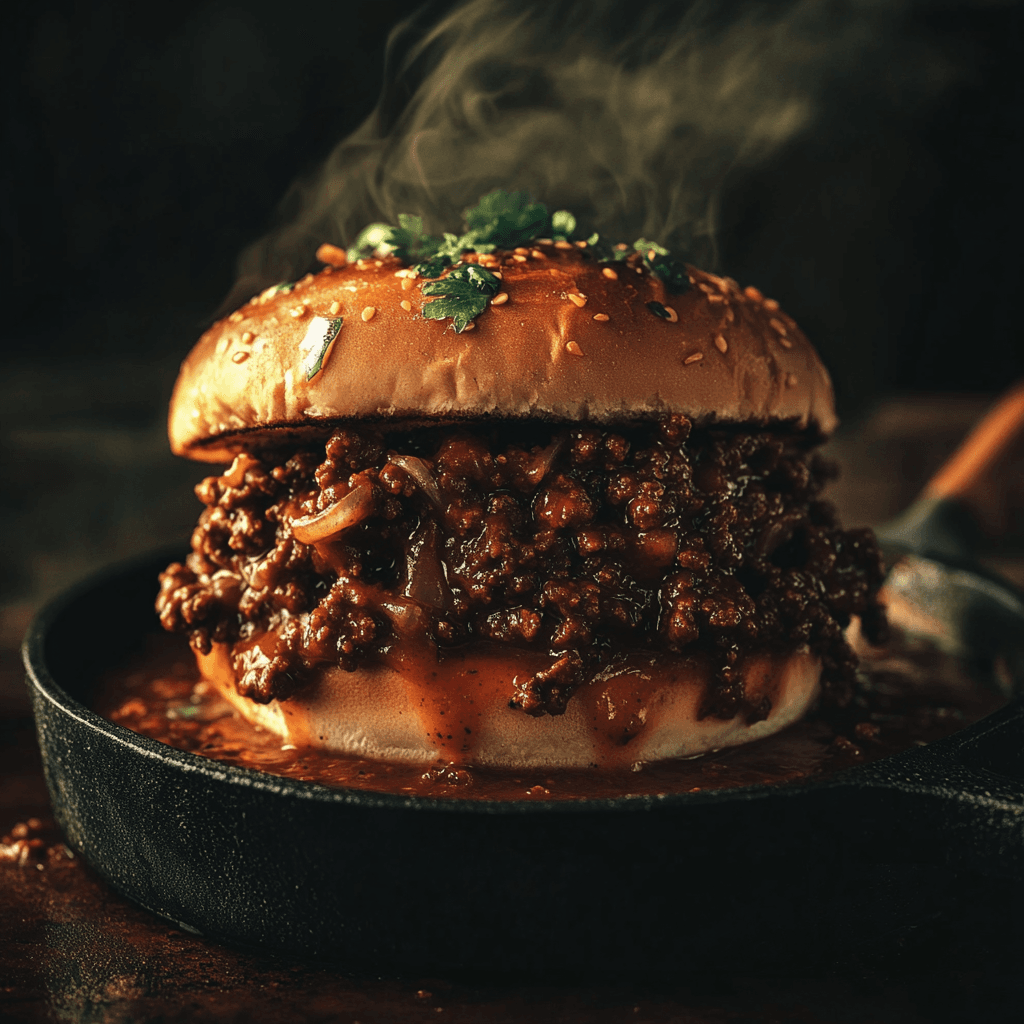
x=908 y=695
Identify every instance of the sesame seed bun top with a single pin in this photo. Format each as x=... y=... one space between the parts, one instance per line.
x=575 y=340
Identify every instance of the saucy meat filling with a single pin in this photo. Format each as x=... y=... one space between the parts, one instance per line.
x=581 y=543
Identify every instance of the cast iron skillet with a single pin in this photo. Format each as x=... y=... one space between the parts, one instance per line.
x=757 y=876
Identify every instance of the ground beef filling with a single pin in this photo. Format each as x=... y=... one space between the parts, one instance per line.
x=579 y=543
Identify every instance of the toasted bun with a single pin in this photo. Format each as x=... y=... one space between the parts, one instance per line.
x=727 y=356
x=640 y=708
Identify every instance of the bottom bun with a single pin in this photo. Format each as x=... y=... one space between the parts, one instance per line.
x=640 y=708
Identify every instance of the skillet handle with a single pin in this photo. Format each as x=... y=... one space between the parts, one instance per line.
x=977 y=495
x=978 y=475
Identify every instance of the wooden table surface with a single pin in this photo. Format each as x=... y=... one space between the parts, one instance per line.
x=71 y=950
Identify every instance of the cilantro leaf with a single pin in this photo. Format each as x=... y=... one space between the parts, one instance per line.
x=407 y=241
x=505 y=220
x=434 y=267
x=461 y=308
x=464 y=294
x=372 y=238
x=454 y=289
x=481 y=278
x=563 y=225
x=661 y=262
x=605 y=252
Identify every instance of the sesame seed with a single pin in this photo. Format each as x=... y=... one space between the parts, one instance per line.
x=554 y=273
x=497 y=273
x=790 y=380
x=673 y=316
x=785 y=342
x=581 y=245
x=610 y=274
x=577 y=300
x=499 y=299
x=404 y=272
x=519 y=258
x=563 y=245
x=223 y=345
x=246 y=337
x=721 y=344
x=779 y=326
x=471 y=326
x=639 y=270
x=378 y=263
x=706 y=288
x=716 y=298
x=240 y=357
x=621 y=247
x=334 y=307
x=573 y=349
x=520 y=251
x=362 y=264
x=543 y=241
x=601 y=316
x=306 y=279
x=771 y=305
x=729 y=314
x=753 y=293
x=406 y=305
x=538 y=255
x=237 y=317
x=695 y=358
x=367 y=314
x=407 y=283
x=298 y=311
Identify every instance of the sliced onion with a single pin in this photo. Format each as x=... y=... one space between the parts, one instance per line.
x=407 y=617
x=540 y=464
x=417 y=469
x=425 y=582
x=356 y=506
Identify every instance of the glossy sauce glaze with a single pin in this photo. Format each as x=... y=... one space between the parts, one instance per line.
x=907 y=695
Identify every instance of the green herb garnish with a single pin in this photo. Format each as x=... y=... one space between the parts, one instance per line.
x=563 y=226
x=604 y=252
x=407 y=241
x=464 y=294
x=661 y=262
x=500 y=220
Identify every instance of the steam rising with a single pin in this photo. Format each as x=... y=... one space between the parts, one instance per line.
x=633 y=116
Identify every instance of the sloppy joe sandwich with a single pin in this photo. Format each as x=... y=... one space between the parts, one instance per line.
x=515 y=498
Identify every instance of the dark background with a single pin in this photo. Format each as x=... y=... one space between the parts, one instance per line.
x=143 y=152
x=145 y=145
